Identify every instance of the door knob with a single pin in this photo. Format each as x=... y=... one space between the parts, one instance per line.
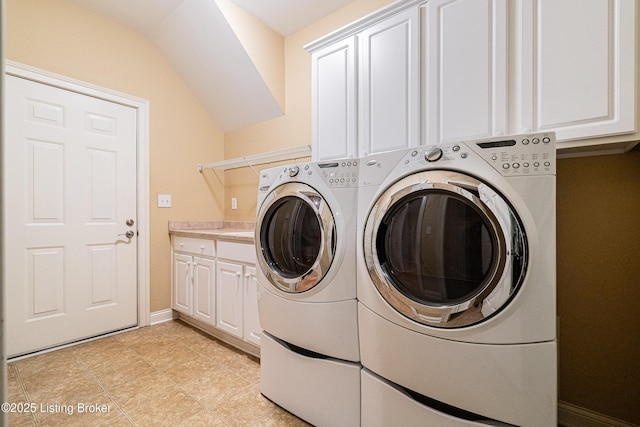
x=129 y=234
x=130 y=222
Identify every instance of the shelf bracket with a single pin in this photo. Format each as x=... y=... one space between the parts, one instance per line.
x=258 y=159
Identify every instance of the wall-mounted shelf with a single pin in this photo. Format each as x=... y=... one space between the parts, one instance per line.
x=258 y=159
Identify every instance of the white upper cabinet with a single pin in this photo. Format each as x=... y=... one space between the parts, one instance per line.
x=366 y=85
x=334 y=101
x=464 y=69
x=575 y=68
x=389 y=84
x=438 y=71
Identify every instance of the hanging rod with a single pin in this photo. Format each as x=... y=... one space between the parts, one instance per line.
x=258 y=159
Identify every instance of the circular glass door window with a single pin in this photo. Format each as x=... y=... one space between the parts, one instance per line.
x=296 y=231
x=291 y=236
x=436 y=247
x=445 y=249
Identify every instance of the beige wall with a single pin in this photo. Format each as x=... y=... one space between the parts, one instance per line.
x=60 y=37
x=264 y=46
x=598 y=244
x=294 y=128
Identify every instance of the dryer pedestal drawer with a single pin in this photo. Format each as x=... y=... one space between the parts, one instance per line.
x=322 y=391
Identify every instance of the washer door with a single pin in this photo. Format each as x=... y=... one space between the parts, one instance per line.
x=444 y=249
x=296 y=232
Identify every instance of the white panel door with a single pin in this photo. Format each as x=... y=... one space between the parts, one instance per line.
x=70 y=187
x=229 y=310
x=389 y=84
x=334 y=102
x=465 y=69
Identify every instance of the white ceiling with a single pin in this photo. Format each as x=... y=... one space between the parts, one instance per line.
x=288 y=16
x=283 y=16
x=141 y=15
x=202 y=47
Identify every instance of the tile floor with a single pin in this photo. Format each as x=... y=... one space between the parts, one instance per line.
x=164 y=375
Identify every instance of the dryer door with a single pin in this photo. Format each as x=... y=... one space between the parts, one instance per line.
x=445 y=249
x=296 y=231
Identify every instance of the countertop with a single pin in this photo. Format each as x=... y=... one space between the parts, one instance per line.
x=234 y=231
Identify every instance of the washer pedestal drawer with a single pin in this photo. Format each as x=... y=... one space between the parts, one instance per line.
x=386 y=404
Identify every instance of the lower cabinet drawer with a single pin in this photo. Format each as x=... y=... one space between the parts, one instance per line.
x=194 y=246
x=243 y=252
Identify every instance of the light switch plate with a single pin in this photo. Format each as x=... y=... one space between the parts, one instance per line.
x=164 y=200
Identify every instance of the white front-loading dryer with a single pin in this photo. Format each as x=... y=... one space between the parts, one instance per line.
x=305 y=243
x=456 y=276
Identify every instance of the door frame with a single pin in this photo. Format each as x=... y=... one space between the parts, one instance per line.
x=142 y=180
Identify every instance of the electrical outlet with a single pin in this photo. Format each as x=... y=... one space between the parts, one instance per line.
x=164 y=200
x=234 y=203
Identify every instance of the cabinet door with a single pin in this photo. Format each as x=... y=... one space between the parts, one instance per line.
x=252 y=328
x=577 y=68
x=204 y=290
x=334 y=101
x=182 y=297
x=465 y=69
x=229 y=310
x=389 y=84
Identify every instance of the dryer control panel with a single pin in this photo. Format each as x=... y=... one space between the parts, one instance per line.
x=337 y=174
x=513 y=155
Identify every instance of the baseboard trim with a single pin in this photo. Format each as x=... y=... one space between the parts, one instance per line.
x=161 y=316
x=242 y=345
x=574 y=416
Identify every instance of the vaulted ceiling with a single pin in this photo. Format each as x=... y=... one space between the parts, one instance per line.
x=203 y=48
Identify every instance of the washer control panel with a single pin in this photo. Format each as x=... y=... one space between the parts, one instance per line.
x=512 y=155
x=339 y=174
x=525 y=154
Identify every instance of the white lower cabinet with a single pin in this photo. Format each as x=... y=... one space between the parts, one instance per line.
x=230 y=298
x=237 y=310
x=194 y=287
x=238 y=301
x=204 y=286
x=182 y=292
x=214 y=281
x=252 y=328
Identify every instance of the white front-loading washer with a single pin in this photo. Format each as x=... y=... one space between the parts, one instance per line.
x=305 y=244
x=456 y=279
